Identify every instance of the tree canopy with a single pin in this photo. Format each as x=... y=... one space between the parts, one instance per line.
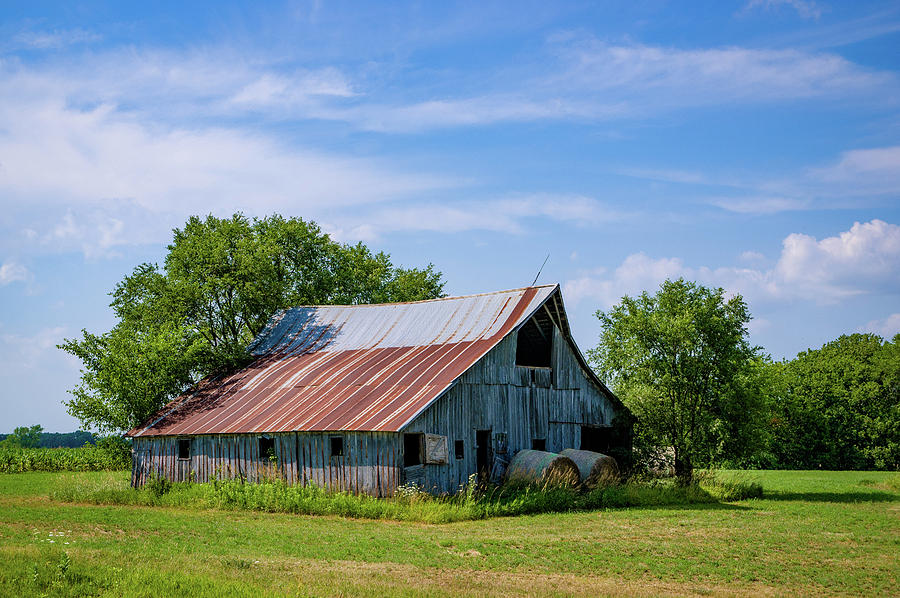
x=681 y=361
x=838 y=407
x=221 y=281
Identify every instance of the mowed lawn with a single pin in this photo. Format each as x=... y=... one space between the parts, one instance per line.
x=814 y=533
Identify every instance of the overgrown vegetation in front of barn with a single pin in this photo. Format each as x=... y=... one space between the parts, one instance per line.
x=411 y=503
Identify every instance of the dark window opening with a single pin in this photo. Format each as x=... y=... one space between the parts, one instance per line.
x=412 y=449
x=534 y=345
x=597 y=439
x=539 y=444
x=484 y=458
x=460 y=449
x=266 y=448
x=337 y=446
x=184 y=448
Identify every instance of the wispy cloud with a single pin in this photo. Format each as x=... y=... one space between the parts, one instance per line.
x=103 y=158
x=871 y=170
x=574 y=78
x=27 y=351
x=12 y=271
x=511 y=215
x=593 y=80
x=761 y=205
x=885 y=328
x=867 y=173
x=806 y=9
x=54 y=39
x=657 y=76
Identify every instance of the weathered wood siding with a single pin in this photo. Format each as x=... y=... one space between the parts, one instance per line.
x=518 y=404
x=371 y=461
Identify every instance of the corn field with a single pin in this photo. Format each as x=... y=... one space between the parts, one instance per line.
x=112 y=456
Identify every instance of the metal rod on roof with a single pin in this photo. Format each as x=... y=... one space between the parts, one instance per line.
x=533 y=282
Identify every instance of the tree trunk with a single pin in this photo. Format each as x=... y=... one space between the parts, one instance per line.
x=684 y=469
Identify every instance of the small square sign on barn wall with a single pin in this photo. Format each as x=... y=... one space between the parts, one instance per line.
x=436 y=449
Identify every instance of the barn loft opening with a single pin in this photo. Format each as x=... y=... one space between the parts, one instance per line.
x=184 y=448
x=266 y=448
x=460 y=449
x=534 y=345
x=413 y=447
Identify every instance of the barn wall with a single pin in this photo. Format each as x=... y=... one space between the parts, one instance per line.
x=517 y=404
x=370 y=463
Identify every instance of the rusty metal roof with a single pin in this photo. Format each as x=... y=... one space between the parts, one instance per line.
x=356 y=367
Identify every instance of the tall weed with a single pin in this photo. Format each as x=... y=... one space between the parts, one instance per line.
x=408 y=504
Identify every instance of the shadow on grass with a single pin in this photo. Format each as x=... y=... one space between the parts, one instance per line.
x=840 y=497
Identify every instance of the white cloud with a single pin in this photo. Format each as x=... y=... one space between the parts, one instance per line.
x=506 y=215
x=658 y=77
x=594 y=80
x=752 y=257
x=11 y=271
x=870 y=173
x=98 y=231
x=489 y=109
x=864 y=259
x=885 y=328
x=806 y=9
x=58 y=38
x=583 y=79
x=27 y=351
x=861 y=171
x=636 y=274
x=666 y=175
x=98 y=154
x=761 y=205
x=293 y=91
x=114 y=174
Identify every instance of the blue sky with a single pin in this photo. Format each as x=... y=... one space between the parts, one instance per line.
x=752 y=145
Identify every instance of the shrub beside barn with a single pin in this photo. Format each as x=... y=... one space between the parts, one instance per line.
x=365 y=398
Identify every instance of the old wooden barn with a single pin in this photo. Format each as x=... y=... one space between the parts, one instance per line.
x=367 y=397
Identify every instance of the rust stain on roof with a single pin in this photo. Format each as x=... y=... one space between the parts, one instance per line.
x=361 y=367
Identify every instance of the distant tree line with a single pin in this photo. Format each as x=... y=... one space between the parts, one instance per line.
x=35 y=437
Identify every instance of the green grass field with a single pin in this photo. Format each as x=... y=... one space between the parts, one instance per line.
x=813 y=533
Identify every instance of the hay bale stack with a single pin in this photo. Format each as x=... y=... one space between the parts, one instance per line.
x=542 y=468
x=595 y=468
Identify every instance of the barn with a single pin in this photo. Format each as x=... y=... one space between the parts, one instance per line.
x=365 y=398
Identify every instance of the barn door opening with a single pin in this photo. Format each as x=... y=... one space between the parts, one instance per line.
x=484 y=458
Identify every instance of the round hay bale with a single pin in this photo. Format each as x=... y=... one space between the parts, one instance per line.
x=542 y=468
x=595 y=468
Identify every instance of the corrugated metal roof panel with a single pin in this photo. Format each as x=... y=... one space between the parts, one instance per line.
x=361 y=367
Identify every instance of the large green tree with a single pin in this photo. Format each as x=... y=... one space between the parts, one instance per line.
x=680 y=360
x=221 y=281
x=839 y=406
